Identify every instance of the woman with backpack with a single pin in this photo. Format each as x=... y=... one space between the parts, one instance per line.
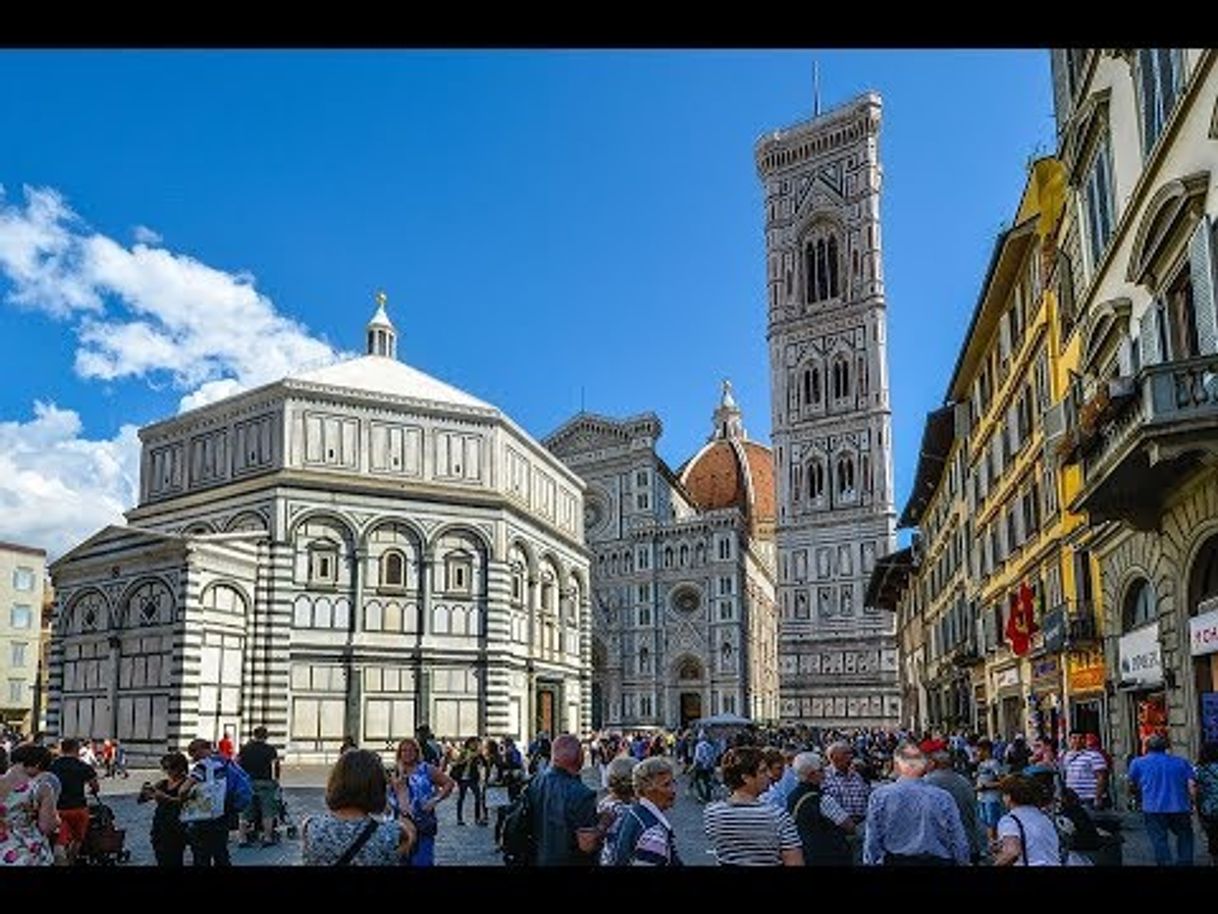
x=416 y=788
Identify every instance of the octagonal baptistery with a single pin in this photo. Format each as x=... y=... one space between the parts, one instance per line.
x=351 y=551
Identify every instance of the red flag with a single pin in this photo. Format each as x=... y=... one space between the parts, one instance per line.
x=1020 y=621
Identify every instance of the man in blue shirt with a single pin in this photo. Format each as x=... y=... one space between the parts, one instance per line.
x=705 y=756
x=564 y=809
x=911 y=822
x=1167 y=786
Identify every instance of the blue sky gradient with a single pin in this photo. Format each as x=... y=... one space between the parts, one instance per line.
x=544 y=222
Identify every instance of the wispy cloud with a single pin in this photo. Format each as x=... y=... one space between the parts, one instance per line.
x=145 y=311
x=145 y=235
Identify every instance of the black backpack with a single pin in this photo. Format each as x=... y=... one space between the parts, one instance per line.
x=516 y=839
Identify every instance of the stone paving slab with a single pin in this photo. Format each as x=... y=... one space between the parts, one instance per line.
x=470 y=845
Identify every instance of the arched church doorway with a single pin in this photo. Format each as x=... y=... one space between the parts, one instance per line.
x=689 y=684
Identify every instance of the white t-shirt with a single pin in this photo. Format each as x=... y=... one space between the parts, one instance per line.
x=1040 y=836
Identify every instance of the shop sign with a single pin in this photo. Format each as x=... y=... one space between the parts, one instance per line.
x=1046 y=674
x=1139 y=658
x=1054 y=627
x=1085 y=672
x=1203 y=632
x=1005 y=679
x=1209 y=716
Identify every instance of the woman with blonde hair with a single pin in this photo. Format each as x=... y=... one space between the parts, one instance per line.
x=416 y=788
x=619 y=777
x=352 y=831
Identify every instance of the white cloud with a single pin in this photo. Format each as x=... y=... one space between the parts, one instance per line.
x=142 y=312
x=147 y=312
x=57 y=488
x=145 y=235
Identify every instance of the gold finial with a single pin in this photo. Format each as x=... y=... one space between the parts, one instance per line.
x=381 y=298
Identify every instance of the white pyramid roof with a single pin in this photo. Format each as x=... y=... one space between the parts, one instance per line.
x=377 y=374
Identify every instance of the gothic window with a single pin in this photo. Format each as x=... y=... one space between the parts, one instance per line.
x=796 y=482
x=841 y=379
x=821 y=268
x=862 y=376
x=832 y=257
x=845 y=476
x=668 y=556
x=689 y=670
x=801 y=604
x=684 y=555
x=323 y=563
x=90 y=613
x=700 y=553
x=393 y=569
x=865 y=472
x=816 y=480
x=644 y=660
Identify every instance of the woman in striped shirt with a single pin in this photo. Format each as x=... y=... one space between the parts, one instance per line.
x=744 y=831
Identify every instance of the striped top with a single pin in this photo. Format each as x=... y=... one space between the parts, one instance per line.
x=749 y=834
x=1081 y=767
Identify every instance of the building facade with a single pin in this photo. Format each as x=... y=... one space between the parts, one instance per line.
x=351 y=551
x=683 y=620
x=988 y=503
x=1137 y=132
x=831 y=417
x=22 y=583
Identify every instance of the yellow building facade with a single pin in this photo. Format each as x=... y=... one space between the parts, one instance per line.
x=990 y=504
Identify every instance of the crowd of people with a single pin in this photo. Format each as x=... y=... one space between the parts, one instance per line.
x=781 y=797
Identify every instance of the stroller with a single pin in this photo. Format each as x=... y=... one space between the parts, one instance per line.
x=103 y=844
x=277 y=814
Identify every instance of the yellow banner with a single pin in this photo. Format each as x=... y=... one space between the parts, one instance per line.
x=1085 y=672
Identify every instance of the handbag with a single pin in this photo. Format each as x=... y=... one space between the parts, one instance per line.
x=426 y=822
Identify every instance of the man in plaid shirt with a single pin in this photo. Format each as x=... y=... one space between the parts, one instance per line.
x=850 y=789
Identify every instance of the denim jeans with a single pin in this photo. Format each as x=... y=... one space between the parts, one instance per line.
x=1158 y=824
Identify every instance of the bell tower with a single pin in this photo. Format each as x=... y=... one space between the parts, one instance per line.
x=382 y=337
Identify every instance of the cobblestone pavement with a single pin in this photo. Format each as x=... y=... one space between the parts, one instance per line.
x=468 y=845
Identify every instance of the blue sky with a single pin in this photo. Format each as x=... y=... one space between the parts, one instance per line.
x=178 y=224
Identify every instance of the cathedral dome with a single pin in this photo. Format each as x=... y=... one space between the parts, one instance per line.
x=731 y=471
x=728 y=474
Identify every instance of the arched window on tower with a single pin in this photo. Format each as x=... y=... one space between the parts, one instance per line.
x=816 y=480
x=822 y=271
x=796 y=482
x=807 y=387
x=832 y=258
x=862 y=376
x=841 y=378
x=845 y=476
x=816 y=385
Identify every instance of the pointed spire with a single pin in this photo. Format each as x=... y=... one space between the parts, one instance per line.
x=382 y=337
x=728 y=419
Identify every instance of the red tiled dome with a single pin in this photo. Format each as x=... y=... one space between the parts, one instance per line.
x=716 y=478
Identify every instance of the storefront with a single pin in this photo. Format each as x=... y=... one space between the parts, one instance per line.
x=1203 y=638
x=1141 y=686
x=1085 y=686
x=1009 y=709
x=1046 y=711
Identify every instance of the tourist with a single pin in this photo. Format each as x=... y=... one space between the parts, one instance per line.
x=742 y=830
x=620 y=795
x=351 y=831
x=27 y=809
x=1086 y=772
x=168 y=833
x=260 y=760
x=823 y=825
x=1166 y=784
x=911 y=822
x=416 y=788
x=1026 y=836
x=75 y=777
x=204 y=809
x=564 y=821
x=644 y=834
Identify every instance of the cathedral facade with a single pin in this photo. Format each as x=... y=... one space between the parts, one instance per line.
x=831 y=416
x=351 y=551
x=682 y=570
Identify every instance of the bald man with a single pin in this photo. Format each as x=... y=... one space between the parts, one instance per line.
x=564 y=809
